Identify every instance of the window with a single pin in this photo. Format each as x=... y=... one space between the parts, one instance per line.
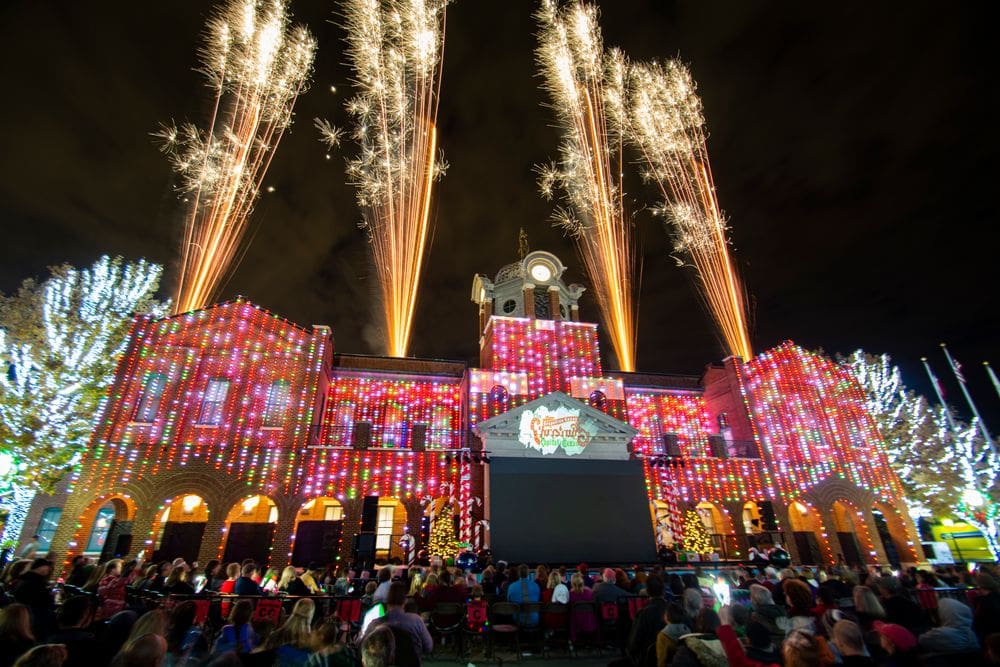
x=149 y=403
x=277 y=403
x=99 y=531
x=509 y=306
x=211 y=404
x=383 y=528
x=333 y=513
x=47 y=527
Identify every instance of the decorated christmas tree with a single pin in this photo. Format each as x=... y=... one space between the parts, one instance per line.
x=696 y=539
x=442 y=539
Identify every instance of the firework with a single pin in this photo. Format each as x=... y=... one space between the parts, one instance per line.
x=663 y=117
x=257 y=65
x=395 y=48
x=587 y=88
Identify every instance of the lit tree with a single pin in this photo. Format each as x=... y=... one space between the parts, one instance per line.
x=696 y=538
x=946 y=466
x=443 y=541
x=60 y=341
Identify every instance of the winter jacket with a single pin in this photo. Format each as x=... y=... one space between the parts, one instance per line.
x=700 y=651
x=955 y=634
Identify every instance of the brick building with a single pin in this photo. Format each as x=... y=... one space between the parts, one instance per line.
x=230 y=433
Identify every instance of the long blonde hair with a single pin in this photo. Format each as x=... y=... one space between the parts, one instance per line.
x=416 y=584
x=287 y=577
x=576 y=583
x=297 y=630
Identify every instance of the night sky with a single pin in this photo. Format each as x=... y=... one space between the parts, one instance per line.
x=854 y=149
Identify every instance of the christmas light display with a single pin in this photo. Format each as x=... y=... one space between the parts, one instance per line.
x=442 y=541
x=256 y=66
x=696 y=538
x=395 y=48
x=943 y=463
x=59 y=344
x=571 y=54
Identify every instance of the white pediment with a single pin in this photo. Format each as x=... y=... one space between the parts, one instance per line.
x=556 y=426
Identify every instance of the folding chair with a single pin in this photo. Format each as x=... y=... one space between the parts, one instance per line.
x=267 y=610
x=555 y=625
x=503 y=624
x=446 y=621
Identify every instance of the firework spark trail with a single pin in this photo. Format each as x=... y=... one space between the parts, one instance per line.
x=257 y=65
x=664 y=119
x=584 y=82
x=396 y=49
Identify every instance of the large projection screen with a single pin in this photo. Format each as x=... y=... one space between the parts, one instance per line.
x=568 y=511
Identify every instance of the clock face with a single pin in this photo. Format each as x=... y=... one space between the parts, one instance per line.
x=541 y=272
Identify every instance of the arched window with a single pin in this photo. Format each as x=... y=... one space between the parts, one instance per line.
x=277 y=403
x=598 y=400
x=499 y=395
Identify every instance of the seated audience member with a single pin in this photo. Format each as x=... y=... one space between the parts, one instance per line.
x=291 y=584
x=581 y=622
x=555 y=590
x=245 y=584
x=608 y=590
x=177 y=582
x=384 y=579
x=149 y=650
x=378 y=648
x=899 y=645
x=46 y=655
x=232 y=574
x=116 y=632
x=800 y=604
x=955 y=634
x=291 y=643
x=163 y=571
x=702 y=648
x=669 y=638
x=16 y=636
x=185 y=641
x=524 y=589
x=397 y=618
x=213 y=576
x=32 y=590
x=804 y=649
x=648 y=622
x=327 y=649
x=73 y=620
x=111 y=589
x=238 y=634
x=867 y=608
x=760 y=645
x=79 y=571
x=850 y=644
x=899 y=609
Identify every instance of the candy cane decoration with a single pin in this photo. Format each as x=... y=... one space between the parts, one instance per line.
x=406 y=543
x=479 y=529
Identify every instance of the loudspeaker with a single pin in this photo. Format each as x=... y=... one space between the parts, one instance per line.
x=369 y=514
x=767 y=518
x=717 y=447
x=671 y=445
x=364 y=550
x=361 y=437
x=418 y=438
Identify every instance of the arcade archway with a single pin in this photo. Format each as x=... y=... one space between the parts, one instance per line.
x=109 y=528
x=807 y=533
x=179 y=528
x=250 y=530
x=318 y=531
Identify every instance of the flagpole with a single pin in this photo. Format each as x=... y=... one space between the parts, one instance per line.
x=993 y=376
x=968 y=396
x=940 y=395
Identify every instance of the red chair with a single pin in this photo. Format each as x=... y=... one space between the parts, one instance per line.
x=635 y=605
x=267 y=610
x=201 y=611
x=349 y=613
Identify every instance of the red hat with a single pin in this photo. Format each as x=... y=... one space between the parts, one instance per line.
x=901 y=638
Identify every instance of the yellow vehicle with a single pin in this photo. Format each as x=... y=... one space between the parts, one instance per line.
x=966 y=542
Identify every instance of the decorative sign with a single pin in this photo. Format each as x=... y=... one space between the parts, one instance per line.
x=547 y=430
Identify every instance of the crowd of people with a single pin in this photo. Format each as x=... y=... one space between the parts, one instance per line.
x=745 y=617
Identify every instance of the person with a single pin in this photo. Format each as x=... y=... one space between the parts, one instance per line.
x=800 y=604
x=378 y=648
x=74 y=618
x=557 y=591
x=580 y=621
x=992 y=644
x=899 y=609
x=213 y=576
x=669 y=638
x=148 y=650
x=238 y=634
x=397 y=618
x=46 y=655
x=30 y=549
x=850 y=644
x=647 y=623
x=32 y=590
x=760 y=644
x=291 y=643
x=290 y=583
x=185 y=642
x=702 y=648
x=384 y=579
x=327 y=649
x=163 y=571
x=177 y=582
x=608 y=590
x=15 y=633
x=584 y=571
x=245 y=584
x=767 y=613
x=867 y=608
x=778 y=557
x=986 y=618
x=524 y=589
x=111 y=590
x=232 y=574
x=955 y=634
x=79 y=571
x=899 y=645
x=693 y=602
x=804 y=649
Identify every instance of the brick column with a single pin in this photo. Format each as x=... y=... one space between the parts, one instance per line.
x=529 y=300
x=554 y=303
x=351 y=527
x=281 y=546
x=213 y=542
x=141 y=525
